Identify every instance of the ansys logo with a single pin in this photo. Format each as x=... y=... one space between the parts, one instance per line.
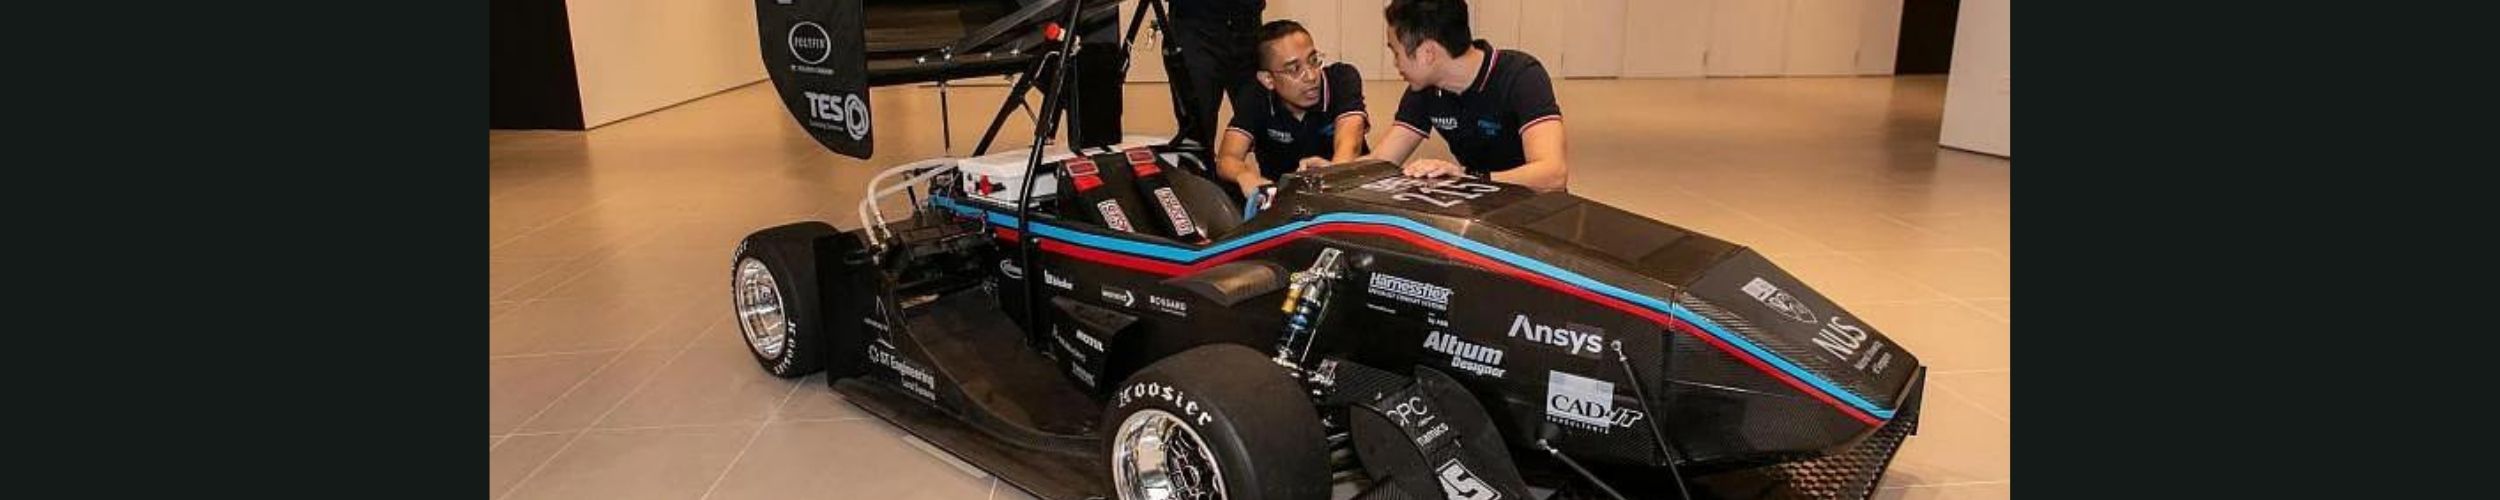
x=1582 y=340
x=810 y=43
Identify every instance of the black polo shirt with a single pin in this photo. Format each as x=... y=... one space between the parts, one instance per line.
x=1280 y=141
x=1483 y=123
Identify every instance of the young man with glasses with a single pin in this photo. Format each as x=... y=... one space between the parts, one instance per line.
x=1306 y=112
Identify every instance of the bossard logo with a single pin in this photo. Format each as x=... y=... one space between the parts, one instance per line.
x=1280 y=136
x=1445 y=122
x=809 y=42
x=1168 y=306
x=1585 y=403
x=1467 y=356
x=1053 y=279
x=1117 y=296
x=1009 y=268
x=1410 y=291
x=1779 y=300
x=1458 y=483
x=1582 y=340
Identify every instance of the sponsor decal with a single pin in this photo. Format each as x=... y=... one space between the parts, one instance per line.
x=1444 y=193
x=1445 y=122
x=1846 y=342
x=810 y=43
x=915 y=380
x=1458 y=483
x=1053 y=279
x=1181 y=224
x=1089 y=341
x=1779 y=300
x=1079 y=354
x=1009 y=268
x=1118 y=296
x=1280 y=136
x=1585 y=403
x=1410 y=291
x=838 y=112
x=1112 y=216
x=1467 y=356
x=1168 y=306
x=1488 y=126
x=1413 y=414
x=1392 y=184
x=1174 y=397
x=1081 y=375
x=1841 y=339
x=1582 y=340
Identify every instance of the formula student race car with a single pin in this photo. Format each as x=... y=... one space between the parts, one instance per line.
x=1108 y=322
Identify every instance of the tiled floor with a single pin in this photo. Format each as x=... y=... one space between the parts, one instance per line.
x=615 y=372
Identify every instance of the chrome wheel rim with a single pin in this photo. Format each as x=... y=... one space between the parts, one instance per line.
x=760 y=316
x=1157 y=456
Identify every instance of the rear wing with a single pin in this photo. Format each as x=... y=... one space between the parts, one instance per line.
x=816 y=53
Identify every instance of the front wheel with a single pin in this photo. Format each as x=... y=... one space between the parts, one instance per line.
x=1215 y=422
x=773 y=289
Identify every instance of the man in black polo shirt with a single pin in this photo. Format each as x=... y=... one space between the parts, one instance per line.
x=1495 y=107
x=1304 y=113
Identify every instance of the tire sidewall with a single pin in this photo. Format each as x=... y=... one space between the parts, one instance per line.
x=1203 y=410
x=793 y=280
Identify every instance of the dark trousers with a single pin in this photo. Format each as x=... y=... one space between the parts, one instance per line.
x=1218 y=57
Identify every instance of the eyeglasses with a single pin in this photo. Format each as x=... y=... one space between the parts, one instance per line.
x=1306 y=68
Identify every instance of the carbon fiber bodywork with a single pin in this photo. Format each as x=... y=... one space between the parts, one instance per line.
x=1631 y=346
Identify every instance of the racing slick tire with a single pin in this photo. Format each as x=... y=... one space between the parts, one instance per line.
x=1218 y=421
x=773 y=290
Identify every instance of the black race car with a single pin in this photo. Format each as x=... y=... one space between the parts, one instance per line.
x=1109 y=322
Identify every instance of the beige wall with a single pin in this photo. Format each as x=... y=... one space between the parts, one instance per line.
x=1978 y=97
x=1637 y=38
x=635 y=56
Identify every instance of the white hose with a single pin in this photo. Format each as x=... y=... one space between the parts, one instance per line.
x=872 y=217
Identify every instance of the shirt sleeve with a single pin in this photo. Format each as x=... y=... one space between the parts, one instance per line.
x=1411 y=113
x=1532 y=96
x=1345 y=87
x=1248 y=115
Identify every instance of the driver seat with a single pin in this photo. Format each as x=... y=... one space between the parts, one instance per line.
x=1206 y=203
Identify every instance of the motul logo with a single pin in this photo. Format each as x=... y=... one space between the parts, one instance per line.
x=1582 y=340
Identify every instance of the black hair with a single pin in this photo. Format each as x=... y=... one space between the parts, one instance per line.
x=1442 y=21
x=1276 y=30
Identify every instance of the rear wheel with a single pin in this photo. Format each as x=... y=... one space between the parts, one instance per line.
x=773 y=289
x=1215 y=422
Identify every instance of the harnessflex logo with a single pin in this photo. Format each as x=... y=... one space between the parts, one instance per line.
x=1583 y=340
